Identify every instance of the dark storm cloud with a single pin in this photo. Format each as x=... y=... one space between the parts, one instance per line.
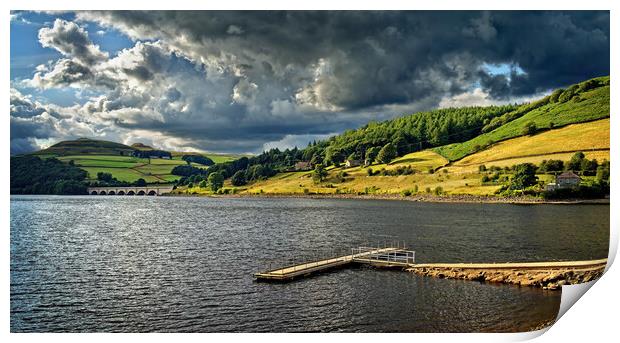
x=382 y=57
x=234 y=81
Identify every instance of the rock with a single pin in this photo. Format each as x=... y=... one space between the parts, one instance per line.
x=526 y=282
x=552 y=286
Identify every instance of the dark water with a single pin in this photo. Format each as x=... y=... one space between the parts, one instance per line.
x=186 y=264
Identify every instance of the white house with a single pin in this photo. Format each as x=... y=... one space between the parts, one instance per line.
x=567 y=179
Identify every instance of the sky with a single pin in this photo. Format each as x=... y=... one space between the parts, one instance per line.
x=244 y=82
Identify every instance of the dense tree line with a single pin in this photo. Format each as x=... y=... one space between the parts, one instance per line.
x=33 y=175
x=410 y=133
x=244 y=169
x=187 y=170
x=152 y=153
x=578 y=163
x=205 y=161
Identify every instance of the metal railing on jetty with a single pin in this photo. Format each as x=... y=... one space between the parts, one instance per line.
x=393 y=255
x=372 y=254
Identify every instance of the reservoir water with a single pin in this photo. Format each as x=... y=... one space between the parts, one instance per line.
x=174 y=264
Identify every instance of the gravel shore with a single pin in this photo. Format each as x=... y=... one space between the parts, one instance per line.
x=546 y=278
x=415 y=198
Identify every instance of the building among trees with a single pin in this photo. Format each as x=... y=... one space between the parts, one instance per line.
x=567 y=179
x=303 y=166
x=352 y=163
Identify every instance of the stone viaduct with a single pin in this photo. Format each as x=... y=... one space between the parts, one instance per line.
x=130 y=190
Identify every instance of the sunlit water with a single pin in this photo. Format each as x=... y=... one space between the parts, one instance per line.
x=97 y=263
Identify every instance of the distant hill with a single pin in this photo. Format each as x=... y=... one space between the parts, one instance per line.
x=120 y=160
x=141 y=146
x=87 y=146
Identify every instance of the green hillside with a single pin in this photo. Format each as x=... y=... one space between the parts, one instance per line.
x=415 y=154
x=586 y=101
x=426 y=173
x=84 y=146
x=99 y=156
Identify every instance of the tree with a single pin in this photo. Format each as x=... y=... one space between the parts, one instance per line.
x=552 y=166
x=333 y=156
x=387 y=153
x=602 y=172
x=238 y=179
x=216 y=181
x=400 y=144
x=202 y=184
x=316 y=159
x=555 y=96
x=530 y=128
x=105 y=177
x=588 y=167
x=525 y=176
x=69 y=187
x=140 y=182
x=575 y=161
x=198 y=159
x=319 y=173
x=187 y=170
x=568 y=93
x=371 y=154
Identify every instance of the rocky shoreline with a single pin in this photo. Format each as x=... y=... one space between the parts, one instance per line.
x=416 y=198
x=551 y=279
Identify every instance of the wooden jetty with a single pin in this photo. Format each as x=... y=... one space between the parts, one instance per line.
x=382 y=257
x=549 y=275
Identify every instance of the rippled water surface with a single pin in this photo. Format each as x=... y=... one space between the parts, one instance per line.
x=98 y=263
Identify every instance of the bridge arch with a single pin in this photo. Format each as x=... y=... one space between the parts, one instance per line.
x=102 y=193
x=131 y=193
x=93 y=193
x=141 y=193
x=121 y=192
x=152 y=193
x=111 y=193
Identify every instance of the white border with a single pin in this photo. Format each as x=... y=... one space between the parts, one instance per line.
x=594 y=317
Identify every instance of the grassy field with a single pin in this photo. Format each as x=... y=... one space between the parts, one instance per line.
x=357 y=180
x=433 y=170
x=97 y=156
x=126 y=168
x=103 y=161
x=421 y=160
x=560 y=144
x=122 y=174
x=593 y=105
